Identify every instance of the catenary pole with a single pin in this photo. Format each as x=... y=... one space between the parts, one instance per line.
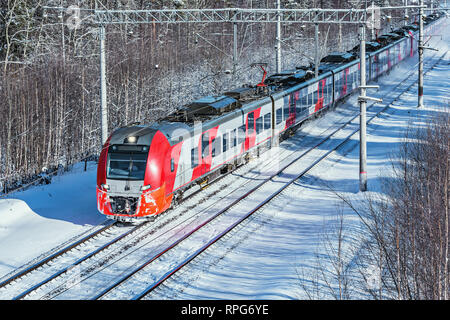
x=235 y=53
x=316 y=56
x=235 y=15
x=406 y=14
x=103 y=106
x=420 y=89
x=362 y=116
x=278 y=40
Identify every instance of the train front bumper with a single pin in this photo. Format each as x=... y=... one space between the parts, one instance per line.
x=149 y=203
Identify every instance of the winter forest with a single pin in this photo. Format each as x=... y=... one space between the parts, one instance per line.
x=50 y=78
x=50 y=110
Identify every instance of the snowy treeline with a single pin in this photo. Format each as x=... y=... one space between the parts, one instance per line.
x=408 y=225
x=49 y=87
x=402 y=252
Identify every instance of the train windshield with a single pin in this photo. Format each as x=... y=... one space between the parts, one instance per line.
x=126 y=165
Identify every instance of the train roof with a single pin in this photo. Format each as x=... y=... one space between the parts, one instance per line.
x=338 y=57
x=210 y=107
x=143 y=135
x=370 y=46
x=394 y=36
x=288 y=78
x=210 y=111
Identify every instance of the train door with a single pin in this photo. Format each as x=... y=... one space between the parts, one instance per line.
x=389 y=58
x=344 y=82
x=320 y=94
x=302 y=109
x=375 y=63
x=176 y=168
x=290 y=109
x=250 y=136
x=205 y=153
x=201 y=156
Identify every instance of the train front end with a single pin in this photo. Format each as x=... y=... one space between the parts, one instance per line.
x=129 y=175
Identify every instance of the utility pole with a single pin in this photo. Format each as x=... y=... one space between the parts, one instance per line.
x=373 y=21
x=362 y=115
x=234 y=49
x=406 y=14
x=316 y=57
x=420 y=91
x=316 y=16
x=278 y=45
x=103 y=107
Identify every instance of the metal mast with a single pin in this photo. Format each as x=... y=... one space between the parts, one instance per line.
x=316 y=16
x=362 y=115
x=278 y=45
x=420 y=91
x=103 y=105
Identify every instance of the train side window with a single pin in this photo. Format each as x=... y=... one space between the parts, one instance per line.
x=279 y=115
x=294 y=98
x=259 y=125
x=330 y=91
x=218 y=146
x=233 y=138
x=251 y=122
x=215 y=144
x=311 y=98
x=172 y=164
x=213 y=147
x=305 y=100
x=225 y=141
x=286 y=108
x=205 y=145
x=241 y=134
x=194 y=157
x=267 y=121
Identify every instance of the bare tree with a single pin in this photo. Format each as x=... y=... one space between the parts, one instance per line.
x=408 y=222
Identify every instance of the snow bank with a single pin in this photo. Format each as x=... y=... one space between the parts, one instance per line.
x=34 y=221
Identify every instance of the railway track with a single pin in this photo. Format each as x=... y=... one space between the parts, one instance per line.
x=55 y=268
x=293 y=177
x=69 y=264
x=134 y=239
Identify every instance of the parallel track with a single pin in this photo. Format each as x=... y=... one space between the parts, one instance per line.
x=202 y=249
x=200 y=226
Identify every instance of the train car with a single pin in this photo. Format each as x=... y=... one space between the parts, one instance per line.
x=145 y=169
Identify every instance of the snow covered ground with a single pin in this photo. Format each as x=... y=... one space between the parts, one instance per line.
x=273 y=255
x=41 y=218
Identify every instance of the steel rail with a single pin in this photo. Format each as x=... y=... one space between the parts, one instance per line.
x=251 y=191
x=105 y=246
x=56 y=254
x=170 y=273
x=83 y=240
x=44 y=261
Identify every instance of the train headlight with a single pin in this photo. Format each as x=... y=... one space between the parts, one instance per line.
x=105 y=187
x=131 y=139
x=144 y=188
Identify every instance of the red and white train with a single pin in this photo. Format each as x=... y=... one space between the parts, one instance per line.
x=143 y=169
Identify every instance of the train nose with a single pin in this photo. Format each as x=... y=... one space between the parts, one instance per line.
x=154 y=202
x=149 y=203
